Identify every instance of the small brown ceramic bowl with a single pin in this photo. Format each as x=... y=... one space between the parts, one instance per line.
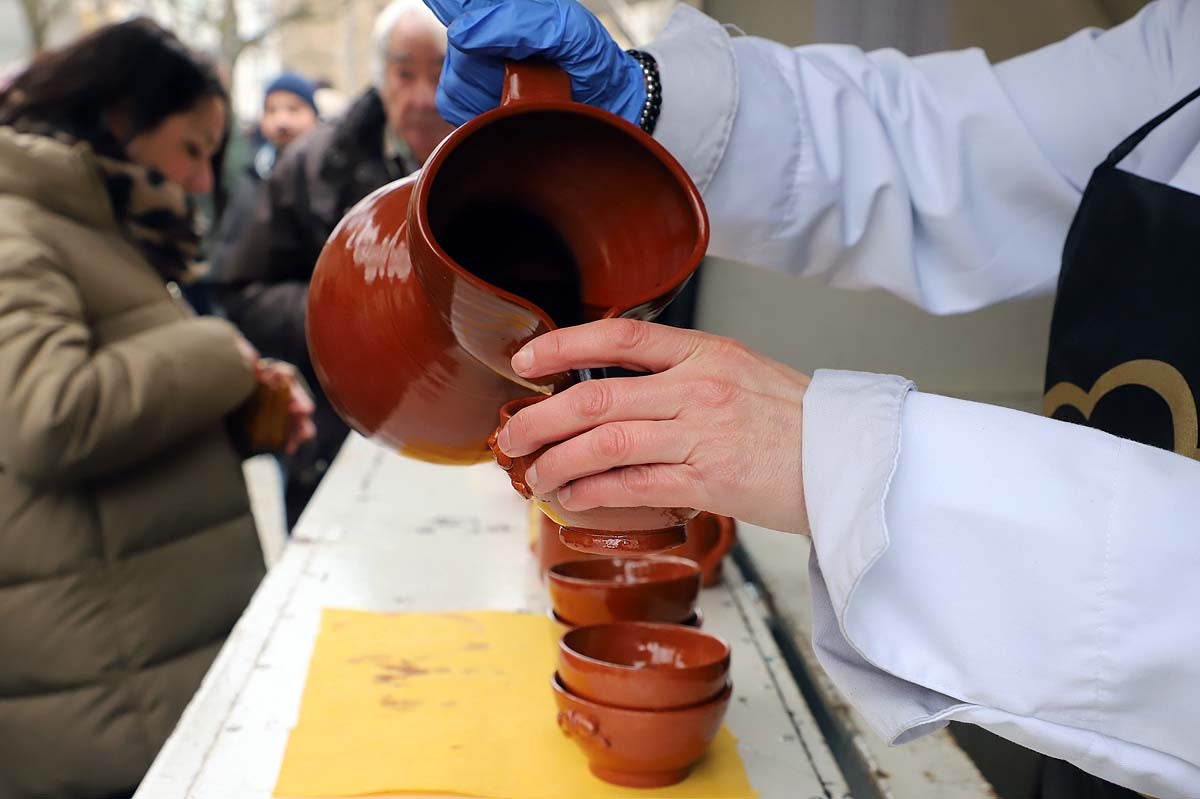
x=639 y=748
x=596 y=591
x=599 y=531
x=695 y=620
x=709 y=539
x=550 y=550
x=643 y=665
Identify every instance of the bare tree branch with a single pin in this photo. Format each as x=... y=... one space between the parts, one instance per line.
x=299 y=12
x=218 y=16
x=37 y=23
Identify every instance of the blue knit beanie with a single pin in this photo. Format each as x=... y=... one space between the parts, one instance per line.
x=295 y=84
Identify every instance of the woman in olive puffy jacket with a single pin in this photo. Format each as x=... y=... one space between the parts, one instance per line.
x=127 y=549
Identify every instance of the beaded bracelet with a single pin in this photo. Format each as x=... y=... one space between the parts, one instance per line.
x=653 y=105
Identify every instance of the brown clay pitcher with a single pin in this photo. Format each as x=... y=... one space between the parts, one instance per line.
x=538 y=214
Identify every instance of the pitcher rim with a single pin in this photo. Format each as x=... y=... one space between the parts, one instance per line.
x=419 y=216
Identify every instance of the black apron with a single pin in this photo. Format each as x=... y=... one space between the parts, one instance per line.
x=1125 y=338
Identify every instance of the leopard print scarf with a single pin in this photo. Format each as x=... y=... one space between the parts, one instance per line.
x=154 y=213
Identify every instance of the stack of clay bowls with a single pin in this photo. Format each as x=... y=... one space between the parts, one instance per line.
x=642 y=700
x=639 y=687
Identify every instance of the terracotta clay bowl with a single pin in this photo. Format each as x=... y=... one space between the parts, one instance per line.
x=709 y=539
x=695 y=620
x=549 y=549
x=639 y=748
x=643 y=665
x=599 y=531
x=659 y=588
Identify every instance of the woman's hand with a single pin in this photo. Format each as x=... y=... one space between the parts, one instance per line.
x=714 y=425
x=300 y=407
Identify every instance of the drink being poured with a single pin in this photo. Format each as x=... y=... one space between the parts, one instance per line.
x=519 y=252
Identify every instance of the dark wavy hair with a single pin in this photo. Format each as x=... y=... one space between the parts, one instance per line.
x=136 y=66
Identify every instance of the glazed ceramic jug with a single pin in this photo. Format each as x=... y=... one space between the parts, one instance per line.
x=538 y=214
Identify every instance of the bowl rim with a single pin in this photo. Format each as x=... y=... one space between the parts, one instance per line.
x=693 y=571
x=695 y=620
x=722 y=697
x=679 y=629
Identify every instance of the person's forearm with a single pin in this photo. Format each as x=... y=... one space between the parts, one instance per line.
x=942 y=179
x=984 y=565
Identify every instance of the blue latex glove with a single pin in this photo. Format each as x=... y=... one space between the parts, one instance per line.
x=484 y=34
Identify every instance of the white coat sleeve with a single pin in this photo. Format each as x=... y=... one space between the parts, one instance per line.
x=943 y=179
x=1034 y=577
x=969 y=563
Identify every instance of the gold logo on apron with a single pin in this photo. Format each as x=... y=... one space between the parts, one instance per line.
x=1161 y=378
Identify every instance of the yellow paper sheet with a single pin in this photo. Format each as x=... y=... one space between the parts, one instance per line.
x=452 y=703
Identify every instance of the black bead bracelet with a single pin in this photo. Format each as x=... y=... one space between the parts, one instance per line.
x=653 y=105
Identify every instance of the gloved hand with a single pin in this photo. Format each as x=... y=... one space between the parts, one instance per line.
x=484 y=34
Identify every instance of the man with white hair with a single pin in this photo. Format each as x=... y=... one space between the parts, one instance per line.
x=385 y=134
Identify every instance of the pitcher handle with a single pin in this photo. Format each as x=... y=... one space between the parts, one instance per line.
x=534 y=80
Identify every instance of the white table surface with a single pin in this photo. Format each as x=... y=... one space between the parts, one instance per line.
x=387 y=533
